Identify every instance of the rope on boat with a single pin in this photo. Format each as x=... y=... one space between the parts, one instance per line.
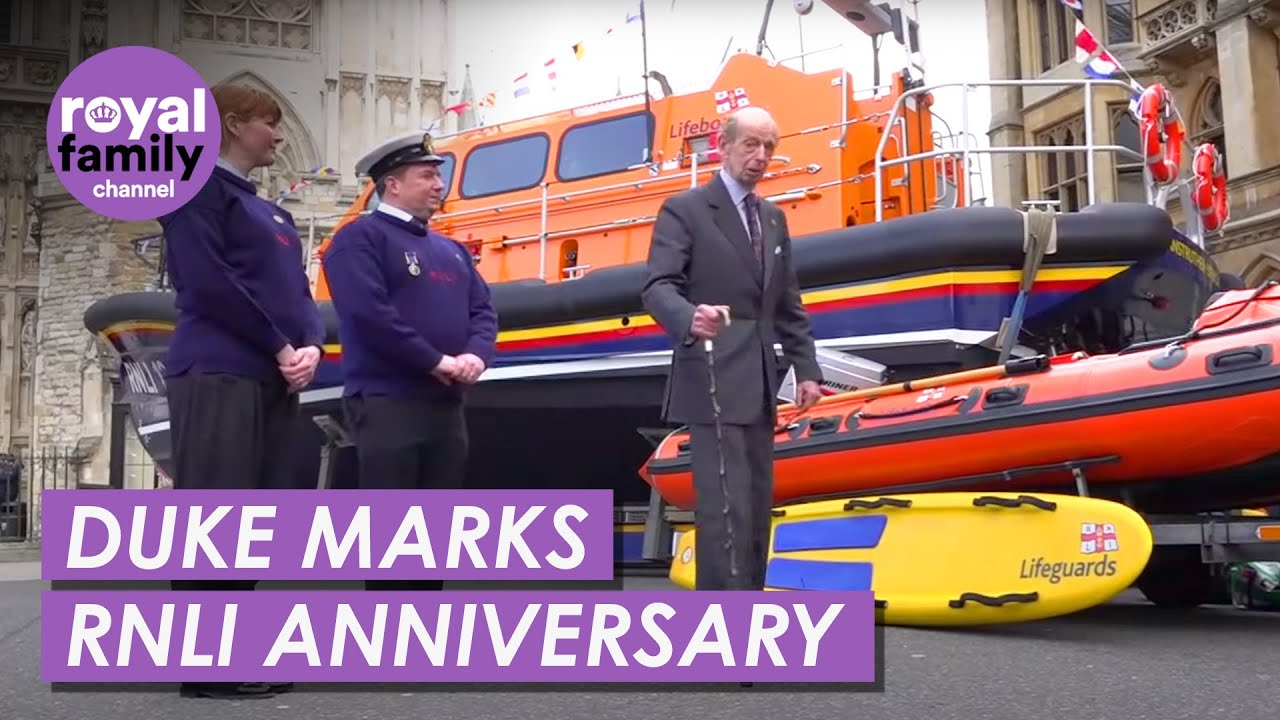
x=1039 y=238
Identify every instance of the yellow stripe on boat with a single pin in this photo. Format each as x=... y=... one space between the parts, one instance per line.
x=884 y=287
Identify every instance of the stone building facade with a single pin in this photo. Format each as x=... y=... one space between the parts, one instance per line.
x=1219 y=60
x=349 y=73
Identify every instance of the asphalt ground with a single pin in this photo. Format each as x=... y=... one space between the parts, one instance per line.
x=1122 y=660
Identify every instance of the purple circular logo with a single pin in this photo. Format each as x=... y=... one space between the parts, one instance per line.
x=133 y=133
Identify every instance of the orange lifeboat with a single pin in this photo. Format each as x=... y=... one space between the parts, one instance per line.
x=1181 y=425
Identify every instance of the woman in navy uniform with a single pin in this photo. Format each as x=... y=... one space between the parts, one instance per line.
x=417 y=327
x=248 y=336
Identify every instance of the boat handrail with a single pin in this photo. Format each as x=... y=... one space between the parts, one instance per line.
x=657 y=175
x=791 y=195
x=687 y=166
x=951 y=139
x=656 y=169
x=545 y=198
x=784 y=196
x=1089 y=147
x=809 y=53
x=684 y=165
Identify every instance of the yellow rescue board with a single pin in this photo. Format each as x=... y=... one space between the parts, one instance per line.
x=941 y=559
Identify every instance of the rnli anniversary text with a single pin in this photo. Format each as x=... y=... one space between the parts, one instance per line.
x=459 y=636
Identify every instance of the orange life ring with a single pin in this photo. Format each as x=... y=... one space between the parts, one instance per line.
x=1210 y=193
x=1162 y=134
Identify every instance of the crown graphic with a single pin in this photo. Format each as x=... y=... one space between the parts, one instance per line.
x=102 y=113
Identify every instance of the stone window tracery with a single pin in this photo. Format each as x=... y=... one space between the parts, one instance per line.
x=286 y=24
x=1063 y=174
x=1129 y=170
x=1054 y=25
x=1206 y=123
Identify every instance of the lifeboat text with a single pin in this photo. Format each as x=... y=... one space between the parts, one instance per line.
x=701 y=126
x=145 y=377
x=1197 y=261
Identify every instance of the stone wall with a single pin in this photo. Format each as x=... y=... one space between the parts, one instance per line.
x=315 y=49
x=84 y=257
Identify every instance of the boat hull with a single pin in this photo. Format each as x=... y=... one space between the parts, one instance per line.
x=1116 y=416
x=580 y=367
x=952 y=559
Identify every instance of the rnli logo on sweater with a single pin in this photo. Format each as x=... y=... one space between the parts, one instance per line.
x=442 y=276
x=133 y=133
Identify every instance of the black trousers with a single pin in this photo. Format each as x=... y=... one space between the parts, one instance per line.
x=409 y=444
x=229 y=433
x=748 y=463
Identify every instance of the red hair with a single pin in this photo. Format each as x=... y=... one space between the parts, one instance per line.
x=246 y=103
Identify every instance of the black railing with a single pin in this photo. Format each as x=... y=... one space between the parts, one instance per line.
x=23 y=476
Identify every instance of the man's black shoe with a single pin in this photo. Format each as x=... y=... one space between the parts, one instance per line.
x=280 y=687
x=229 y=691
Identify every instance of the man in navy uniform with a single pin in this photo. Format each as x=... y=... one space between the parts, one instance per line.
x=417 y=328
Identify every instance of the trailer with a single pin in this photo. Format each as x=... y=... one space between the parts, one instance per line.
x=1187 y=566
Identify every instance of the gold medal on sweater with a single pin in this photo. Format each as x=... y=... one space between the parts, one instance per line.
x=411 y=260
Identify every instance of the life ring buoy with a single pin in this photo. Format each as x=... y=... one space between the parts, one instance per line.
x=946 y=167
x=1210 y=193
x=1162 y=134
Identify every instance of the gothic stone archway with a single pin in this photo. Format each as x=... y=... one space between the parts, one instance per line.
x=297 y=156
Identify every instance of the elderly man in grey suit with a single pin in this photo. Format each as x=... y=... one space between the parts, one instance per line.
x=719 y=247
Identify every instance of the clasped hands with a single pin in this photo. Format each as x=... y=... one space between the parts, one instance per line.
x=298 y=366
x=465 y=368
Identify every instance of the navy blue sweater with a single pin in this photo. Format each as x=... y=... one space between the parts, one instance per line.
x=236 y=263
x=395 y=325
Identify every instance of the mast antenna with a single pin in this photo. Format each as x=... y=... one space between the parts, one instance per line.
x=764 y=28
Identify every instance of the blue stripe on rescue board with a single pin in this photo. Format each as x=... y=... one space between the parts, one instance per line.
x=788 y=574
x=837 y=533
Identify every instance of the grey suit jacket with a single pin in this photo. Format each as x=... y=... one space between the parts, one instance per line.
x=700 y=253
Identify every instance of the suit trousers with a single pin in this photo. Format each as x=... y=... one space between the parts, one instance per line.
x=748 y=463
x=230 y=433
x=406 y=443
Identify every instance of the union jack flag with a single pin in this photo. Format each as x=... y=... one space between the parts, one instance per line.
x=1095 y=538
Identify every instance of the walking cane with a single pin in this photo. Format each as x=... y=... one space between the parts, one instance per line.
x=724 y=480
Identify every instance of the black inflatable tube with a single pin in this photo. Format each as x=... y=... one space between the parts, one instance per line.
x=956 y=237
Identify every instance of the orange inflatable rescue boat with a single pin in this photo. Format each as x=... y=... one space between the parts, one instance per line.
x=1185 y=424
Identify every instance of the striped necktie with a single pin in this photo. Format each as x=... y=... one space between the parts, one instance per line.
x=752 y=205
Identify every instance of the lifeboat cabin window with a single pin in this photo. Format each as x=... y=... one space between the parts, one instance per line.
x=505 y=166
x=601 y=147
x=446 y=174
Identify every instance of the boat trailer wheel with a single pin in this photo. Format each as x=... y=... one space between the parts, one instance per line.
x=1175 y=577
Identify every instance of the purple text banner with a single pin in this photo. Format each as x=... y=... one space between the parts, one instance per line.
x=466 y=637
x=327 y=534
